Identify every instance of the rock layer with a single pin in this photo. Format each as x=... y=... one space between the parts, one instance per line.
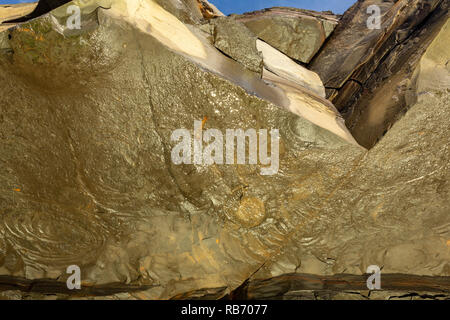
x=281 y=65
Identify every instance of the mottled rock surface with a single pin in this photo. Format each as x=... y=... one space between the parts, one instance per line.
x=392 y=209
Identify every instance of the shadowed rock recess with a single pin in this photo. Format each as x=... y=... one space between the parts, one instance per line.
x=87 y=177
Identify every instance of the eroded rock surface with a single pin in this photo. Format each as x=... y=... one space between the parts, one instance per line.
x=395 y=213
x=87 y=176
x=101 y=115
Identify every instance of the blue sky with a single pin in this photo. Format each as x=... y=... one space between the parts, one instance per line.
x=15 y=1
x=240 y=6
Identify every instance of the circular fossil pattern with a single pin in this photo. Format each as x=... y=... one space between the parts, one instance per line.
x=251 y=212
x=54 y=237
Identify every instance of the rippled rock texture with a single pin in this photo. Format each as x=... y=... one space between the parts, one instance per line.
x=87 y=176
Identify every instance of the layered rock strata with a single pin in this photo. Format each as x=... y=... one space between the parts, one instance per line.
x=369 y=72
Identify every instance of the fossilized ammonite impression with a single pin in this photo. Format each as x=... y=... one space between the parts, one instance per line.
x=55 y=236
x=251 y=212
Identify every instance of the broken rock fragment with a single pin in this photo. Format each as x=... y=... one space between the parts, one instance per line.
x=297 y=33
x=235 y=40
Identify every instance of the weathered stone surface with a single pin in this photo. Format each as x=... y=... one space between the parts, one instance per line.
x=87 y=157
x=87 y=176
x=433 y=70
x=350 y=43
x=9 y=12
x=369 y=71
x=297 y=33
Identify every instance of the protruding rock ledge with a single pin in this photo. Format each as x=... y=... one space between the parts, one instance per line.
x=297 y=33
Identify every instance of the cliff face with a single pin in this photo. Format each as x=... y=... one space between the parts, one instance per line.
x=369 y=72
x=89 y=179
